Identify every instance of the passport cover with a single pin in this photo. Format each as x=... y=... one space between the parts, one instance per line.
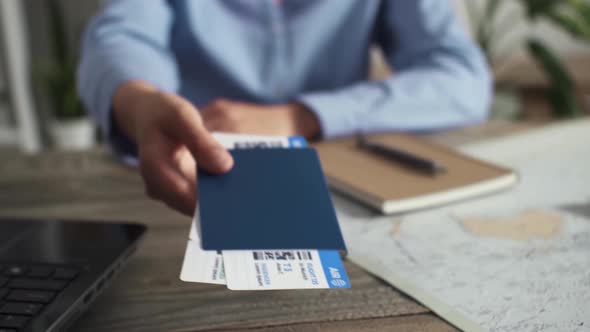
x=271 y=199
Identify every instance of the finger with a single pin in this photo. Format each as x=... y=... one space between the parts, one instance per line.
x=187 y=126
x=207 y=113
x=188 y=168
x=220 y=104
x=215 y=124
x=216 y=106
x=187 y=165
x=164 y=182
x=213 y=112
x=209 y=117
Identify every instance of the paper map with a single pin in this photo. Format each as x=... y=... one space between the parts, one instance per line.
x=515 y=261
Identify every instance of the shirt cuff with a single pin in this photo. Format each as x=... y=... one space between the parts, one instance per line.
x=336 y=118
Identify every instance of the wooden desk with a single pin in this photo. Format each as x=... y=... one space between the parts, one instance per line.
x=148 y=296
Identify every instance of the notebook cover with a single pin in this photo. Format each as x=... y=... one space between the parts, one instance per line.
x=375 y=179
x=271 y=199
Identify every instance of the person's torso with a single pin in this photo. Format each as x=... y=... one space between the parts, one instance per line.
x=270 y=51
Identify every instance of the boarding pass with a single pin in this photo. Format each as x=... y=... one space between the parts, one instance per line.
x=261 y=269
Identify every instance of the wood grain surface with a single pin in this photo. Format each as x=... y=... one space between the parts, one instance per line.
x=148 y=296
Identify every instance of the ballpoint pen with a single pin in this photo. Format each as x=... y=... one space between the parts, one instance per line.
x=405 y=158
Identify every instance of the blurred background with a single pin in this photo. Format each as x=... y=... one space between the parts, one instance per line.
x=539 y=51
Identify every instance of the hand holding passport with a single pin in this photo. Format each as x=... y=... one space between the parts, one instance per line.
x=271 y=217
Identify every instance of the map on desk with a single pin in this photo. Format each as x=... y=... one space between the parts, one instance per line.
x=515 y=261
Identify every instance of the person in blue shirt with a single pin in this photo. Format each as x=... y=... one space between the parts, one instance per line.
x=161 y=75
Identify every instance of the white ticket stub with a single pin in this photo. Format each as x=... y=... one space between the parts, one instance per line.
x=284 y=269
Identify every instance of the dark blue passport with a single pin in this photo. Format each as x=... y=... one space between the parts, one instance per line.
x=271 y=199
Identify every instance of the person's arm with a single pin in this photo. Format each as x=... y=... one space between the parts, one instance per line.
x=127 y=79
x=127 y=41
x=441 y=78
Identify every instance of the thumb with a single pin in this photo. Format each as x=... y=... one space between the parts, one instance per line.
x=188 y=128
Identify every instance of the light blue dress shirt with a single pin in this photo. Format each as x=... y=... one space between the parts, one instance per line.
x=311 y=51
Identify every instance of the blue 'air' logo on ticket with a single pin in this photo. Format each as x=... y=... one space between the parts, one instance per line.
x=334 y=269
x=297 y=142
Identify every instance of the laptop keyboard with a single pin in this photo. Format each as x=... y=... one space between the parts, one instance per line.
x=25 y=290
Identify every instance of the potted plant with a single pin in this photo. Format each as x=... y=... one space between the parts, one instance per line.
x=70 y=127
x=572 y=16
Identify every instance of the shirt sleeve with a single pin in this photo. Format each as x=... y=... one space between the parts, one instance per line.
x=441 y=78
x=128 y=40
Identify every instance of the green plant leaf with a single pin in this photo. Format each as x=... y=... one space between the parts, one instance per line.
x=57 y=76
x=58 y=30
x=582 y=8
x=575 y=26
x=571 y=15
x=485 y=33
x=536 y=8
x=562 y=90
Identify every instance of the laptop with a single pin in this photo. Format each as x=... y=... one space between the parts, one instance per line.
x=51 y=270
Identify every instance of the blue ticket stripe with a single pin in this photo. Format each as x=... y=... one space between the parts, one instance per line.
x=297 y=142
x=334 y=269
